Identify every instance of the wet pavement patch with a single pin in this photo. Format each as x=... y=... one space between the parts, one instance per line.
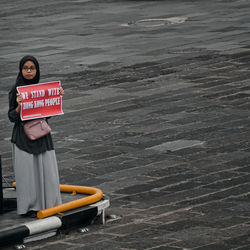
x=176 y=145
x=156 y=22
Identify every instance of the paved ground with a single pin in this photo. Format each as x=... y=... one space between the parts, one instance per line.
x=156 y=114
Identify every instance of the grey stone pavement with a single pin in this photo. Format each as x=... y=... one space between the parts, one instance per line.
x=156 y=114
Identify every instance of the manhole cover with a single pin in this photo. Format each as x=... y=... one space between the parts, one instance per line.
x=156 y=22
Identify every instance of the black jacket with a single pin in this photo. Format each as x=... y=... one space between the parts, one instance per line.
x=19 y=137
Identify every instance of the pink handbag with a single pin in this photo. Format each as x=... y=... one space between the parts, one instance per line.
x=36 y=129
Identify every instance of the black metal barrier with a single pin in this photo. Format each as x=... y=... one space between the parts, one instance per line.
x=1 y=187
x=6 y=204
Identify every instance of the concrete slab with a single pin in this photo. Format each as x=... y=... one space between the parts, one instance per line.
x=18 y=230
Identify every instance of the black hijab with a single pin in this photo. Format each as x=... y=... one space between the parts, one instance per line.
x=20 y=80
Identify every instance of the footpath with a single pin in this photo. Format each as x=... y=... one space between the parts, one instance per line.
x=156 y=115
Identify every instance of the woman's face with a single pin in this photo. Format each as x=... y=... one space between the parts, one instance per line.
x=29 y=70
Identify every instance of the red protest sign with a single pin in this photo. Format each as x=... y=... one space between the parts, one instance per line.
x=40 y=100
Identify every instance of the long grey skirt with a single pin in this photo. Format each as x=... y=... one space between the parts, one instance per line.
x=37 y=180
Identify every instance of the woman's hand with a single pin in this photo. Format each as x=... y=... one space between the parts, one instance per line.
x=19 y=102
x=18 y=99
x=61 y=92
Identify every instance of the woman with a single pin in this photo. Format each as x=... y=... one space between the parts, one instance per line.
x=34 y=161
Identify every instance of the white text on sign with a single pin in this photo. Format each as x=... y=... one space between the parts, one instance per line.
x=37 y=93
x=54 y=91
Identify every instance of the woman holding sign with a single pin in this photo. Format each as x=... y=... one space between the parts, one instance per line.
x=34 y=161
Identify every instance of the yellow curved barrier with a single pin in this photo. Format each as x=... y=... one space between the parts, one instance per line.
x=95 y=195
